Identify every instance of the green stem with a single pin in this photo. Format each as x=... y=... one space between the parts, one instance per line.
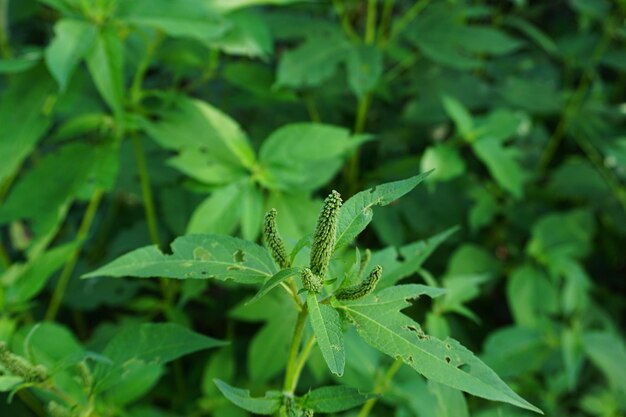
x=142 y=68
x=304 y=355
x=345 y=20
x=68 y=268
x=292 y=374
x=5 y=48
x=146 y=190
x=5 y=261
x=380 y=387
x=385 y=20
x=311 y=108
x=32 y=403
x=370 y=24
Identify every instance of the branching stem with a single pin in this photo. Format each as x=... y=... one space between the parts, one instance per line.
x=380 y=387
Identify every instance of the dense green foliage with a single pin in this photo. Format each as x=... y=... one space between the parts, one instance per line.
x=149 y=138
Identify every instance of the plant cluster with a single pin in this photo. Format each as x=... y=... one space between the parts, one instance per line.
x=192 y=142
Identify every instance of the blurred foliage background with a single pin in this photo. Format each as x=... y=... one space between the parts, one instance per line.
x=125 y=123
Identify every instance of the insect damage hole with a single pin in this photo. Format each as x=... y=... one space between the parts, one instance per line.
x=239 y=256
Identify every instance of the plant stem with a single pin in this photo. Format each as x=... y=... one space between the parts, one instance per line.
x=385 y=20
x=380 y=387
x=304 y=355
x=146 y=191
x=370 y=24
x=5 y=48
x=292 y=374
x=407 y=18
x=66 y=273
x=345 y=21
x=142 y=68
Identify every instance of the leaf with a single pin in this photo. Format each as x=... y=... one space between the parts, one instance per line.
x=27 y=60
x=365 y=67
x=218 y=213
x=334 y=399
x=328 y=333
x=305 y=155
x=9 y=382
x=72 y=41
x=270 y=345
x=177 y=18
x=445 y=162
x=196 y=257
x=248 y=35
x=196 y=125
x=251 y=211
x=502 y=164
x=229 y=5
x=379 y=322
x=32 y=277
x=460 y=115
x=24 y=117
x=356 y=213
x=106 y=65
x=147 y=344
x=273 y=282
x=264 y=406
x=608 y=352
x=312 y=62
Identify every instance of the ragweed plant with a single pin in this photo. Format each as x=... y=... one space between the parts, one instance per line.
x=327 y=300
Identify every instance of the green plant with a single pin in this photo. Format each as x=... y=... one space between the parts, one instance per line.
x=328 y=305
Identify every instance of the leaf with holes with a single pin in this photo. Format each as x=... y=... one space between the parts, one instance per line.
x=196 y=257
x=379 y=322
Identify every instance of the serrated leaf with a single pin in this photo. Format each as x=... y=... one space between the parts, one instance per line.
x=196 y=257
x=334 y=399
x=147 y=344
x=502 y=164
x=218 y=213
x=379 y=322
x=273 y=282
x=73 y=39
x=328 y=333
x=356 y=213
x=265 y=406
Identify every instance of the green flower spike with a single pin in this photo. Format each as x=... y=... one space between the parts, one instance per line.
x=310 y=281
x=363 y=288
x=19 y=366
x=325 y=235
x=273 y=241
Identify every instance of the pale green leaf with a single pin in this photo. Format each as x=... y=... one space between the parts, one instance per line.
x=265 y=406
x=328 y=333
x=8 y=382
x=251 y=211
x=270 y=346
x=218 y=213
x=356 y=213
x=196 y=257
x=73 y=39
x=177 y=18
x=445 y=162
x=195 y=124
x=608 y=352
x=106 y=65
x=334 y=399
x=147 y=344
x=502 y=164
x=379 y=322
x=248 y=35
x=25 y=61
x=460 y=115
x=229 y=5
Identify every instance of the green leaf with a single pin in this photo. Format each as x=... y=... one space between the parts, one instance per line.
x=177 y=18
x=106 y=65
x=328 y=333
x=365 y=67
x=445 y=162
x=196 y=257
x=25 y=281
x=460 y=115
x=73 y=39
x=273 y=282
x=198 y=126
x=502 y=164
x=532 y=296
x=218 y=213
x=248 y=35
x=334 y=399
x=313 y=62
x=251 y=211
x=379 y=322
x=270 y=345
x=356 y=213
x=24 y=117
x=147 y=344
x=229 y=5
x=305 y=155
x=264 y=406
x=608 y=352
x=8 y=382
